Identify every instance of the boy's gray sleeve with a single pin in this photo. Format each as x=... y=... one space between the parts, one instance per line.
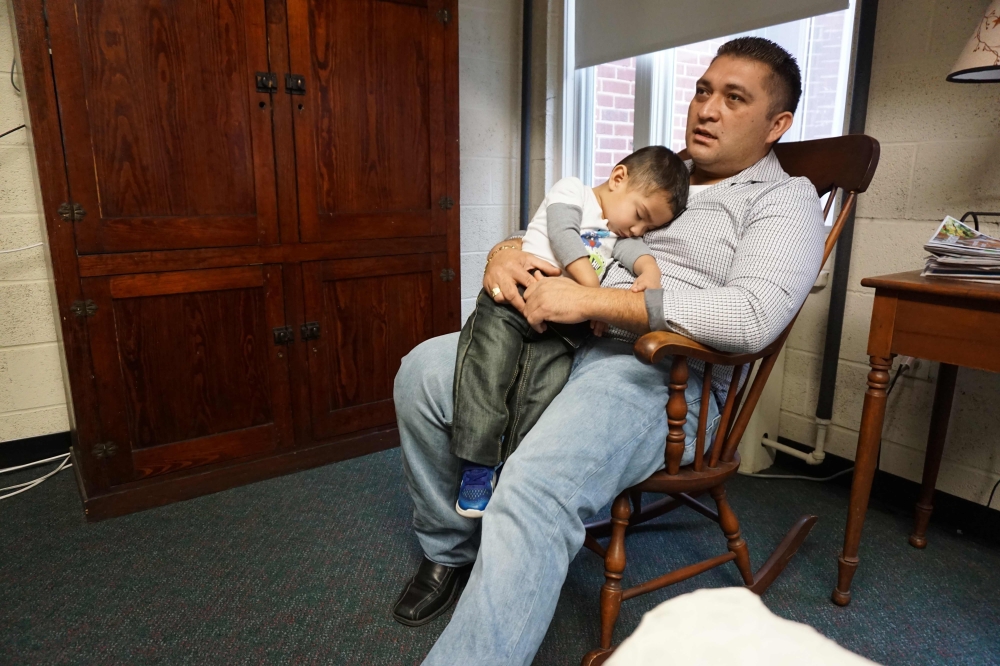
x=628 y=250
x=563 y=222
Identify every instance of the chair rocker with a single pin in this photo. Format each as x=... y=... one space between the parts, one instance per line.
x=845 y=163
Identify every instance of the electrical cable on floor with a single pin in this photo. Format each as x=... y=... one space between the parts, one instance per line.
x=23 y=487
x=20 y=249
x=34 y=464
x=11 y=131
x=12 y=68
x=990 y=500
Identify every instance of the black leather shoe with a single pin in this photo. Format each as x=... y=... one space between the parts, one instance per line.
x=431 y=591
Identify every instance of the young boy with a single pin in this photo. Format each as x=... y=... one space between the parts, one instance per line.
x=507 y=373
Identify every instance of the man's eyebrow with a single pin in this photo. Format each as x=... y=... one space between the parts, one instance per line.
x=738 y=88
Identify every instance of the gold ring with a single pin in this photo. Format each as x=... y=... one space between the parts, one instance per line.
x=496 y=292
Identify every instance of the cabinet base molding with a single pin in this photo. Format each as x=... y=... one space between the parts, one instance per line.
x=170 y=488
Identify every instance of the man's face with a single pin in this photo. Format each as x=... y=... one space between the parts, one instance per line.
x=728 y=124
x=631 y=210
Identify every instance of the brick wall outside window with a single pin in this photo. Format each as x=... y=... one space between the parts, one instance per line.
x=614 y=115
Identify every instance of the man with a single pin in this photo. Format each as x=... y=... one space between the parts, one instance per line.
x=736 y=267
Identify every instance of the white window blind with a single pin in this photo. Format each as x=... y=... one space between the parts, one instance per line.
x=608 y=30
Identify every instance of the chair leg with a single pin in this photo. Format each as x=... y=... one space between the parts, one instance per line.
x=614 y=566
x=731 y=528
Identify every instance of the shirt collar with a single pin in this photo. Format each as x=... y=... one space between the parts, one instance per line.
x=767 y=169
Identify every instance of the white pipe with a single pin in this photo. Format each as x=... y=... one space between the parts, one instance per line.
x=814 y=457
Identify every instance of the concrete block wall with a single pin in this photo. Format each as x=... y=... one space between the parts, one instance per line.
x=32 y=395
x=489 y=104
x=940 y=143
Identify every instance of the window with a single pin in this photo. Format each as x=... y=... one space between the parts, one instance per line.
x=623 y=105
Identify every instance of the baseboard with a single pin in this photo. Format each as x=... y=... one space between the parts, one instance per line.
x=900 y=495
x=30 y=449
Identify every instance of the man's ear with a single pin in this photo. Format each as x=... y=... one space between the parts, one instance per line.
x=618 y=177
x=779 y=125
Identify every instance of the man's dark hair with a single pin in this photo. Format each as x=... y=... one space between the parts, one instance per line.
x=658 y=168
x=786 y=79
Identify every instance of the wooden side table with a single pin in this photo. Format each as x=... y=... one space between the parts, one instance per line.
x=951 y=321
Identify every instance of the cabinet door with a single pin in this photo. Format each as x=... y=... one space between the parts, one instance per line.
x=371 y=313
x=168 y=143
x=371 y=147
x=187 y=369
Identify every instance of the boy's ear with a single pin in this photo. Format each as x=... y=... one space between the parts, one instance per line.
x=618 y=177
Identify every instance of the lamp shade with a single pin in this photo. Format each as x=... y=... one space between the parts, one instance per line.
x=980 y=60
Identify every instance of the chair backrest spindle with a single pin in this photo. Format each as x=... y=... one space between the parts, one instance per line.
x=829 y=202
x=706 y=395
x=676 y=414
x=727 y=411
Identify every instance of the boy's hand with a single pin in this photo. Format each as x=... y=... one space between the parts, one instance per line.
x=648 y=280
x=599 y=328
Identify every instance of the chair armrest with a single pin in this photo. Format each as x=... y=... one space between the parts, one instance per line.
x=652 y=347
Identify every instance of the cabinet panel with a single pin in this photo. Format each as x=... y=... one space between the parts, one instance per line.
x=168 y=142
x=370 y=128
x=371 y=312
x=187 y=368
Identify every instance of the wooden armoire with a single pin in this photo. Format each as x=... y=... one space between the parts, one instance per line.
x=252 y=210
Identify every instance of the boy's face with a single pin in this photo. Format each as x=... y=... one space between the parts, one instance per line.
x=632 y=211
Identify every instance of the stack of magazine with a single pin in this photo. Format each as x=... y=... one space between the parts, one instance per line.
x=959 y=251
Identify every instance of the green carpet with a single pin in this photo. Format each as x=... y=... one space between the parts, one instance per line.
x=303 y=569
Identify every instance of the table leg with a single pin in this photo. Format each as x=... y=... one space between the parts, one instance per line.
x=943 y=395
x=869 y=440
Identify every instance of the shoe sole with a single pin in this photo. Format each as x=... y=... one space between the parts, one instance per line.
x=468 y=513
x=455 y=593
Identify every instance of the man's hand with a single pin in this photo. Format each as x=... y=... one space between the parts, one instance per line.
x=563 y=301
x=511 y=267
x=558 y=300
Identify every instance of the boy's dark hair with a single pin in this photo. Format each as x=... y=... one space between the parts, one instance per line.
x=659 y=168
x=785 y=80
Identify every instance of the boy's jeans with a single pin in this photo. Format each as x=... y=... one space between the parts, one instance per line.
x=506 y=374
x=604 y=432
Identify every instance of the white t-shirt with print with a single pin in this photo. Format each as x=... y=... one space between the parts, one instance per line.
x=598 y=241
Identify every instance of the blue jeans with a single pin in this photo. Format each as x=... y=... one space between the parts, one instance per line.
x=603 y=433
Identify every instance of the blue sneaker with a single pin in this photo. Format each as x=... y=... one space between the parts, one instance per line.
x=478 y=482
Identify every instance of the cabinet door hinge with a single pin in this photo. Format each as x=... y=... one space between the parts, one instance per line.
x=444 y=16
x=267 y=82
x=104 y=450
x=447 y=274
x=446 y=203
x=71 y=212
x=87 y=308
x=309 y=330
x=283 y=335
x=295 y=84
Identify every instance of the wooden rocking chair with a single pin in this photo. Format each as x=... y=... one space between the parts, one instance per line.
x=844 y=163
